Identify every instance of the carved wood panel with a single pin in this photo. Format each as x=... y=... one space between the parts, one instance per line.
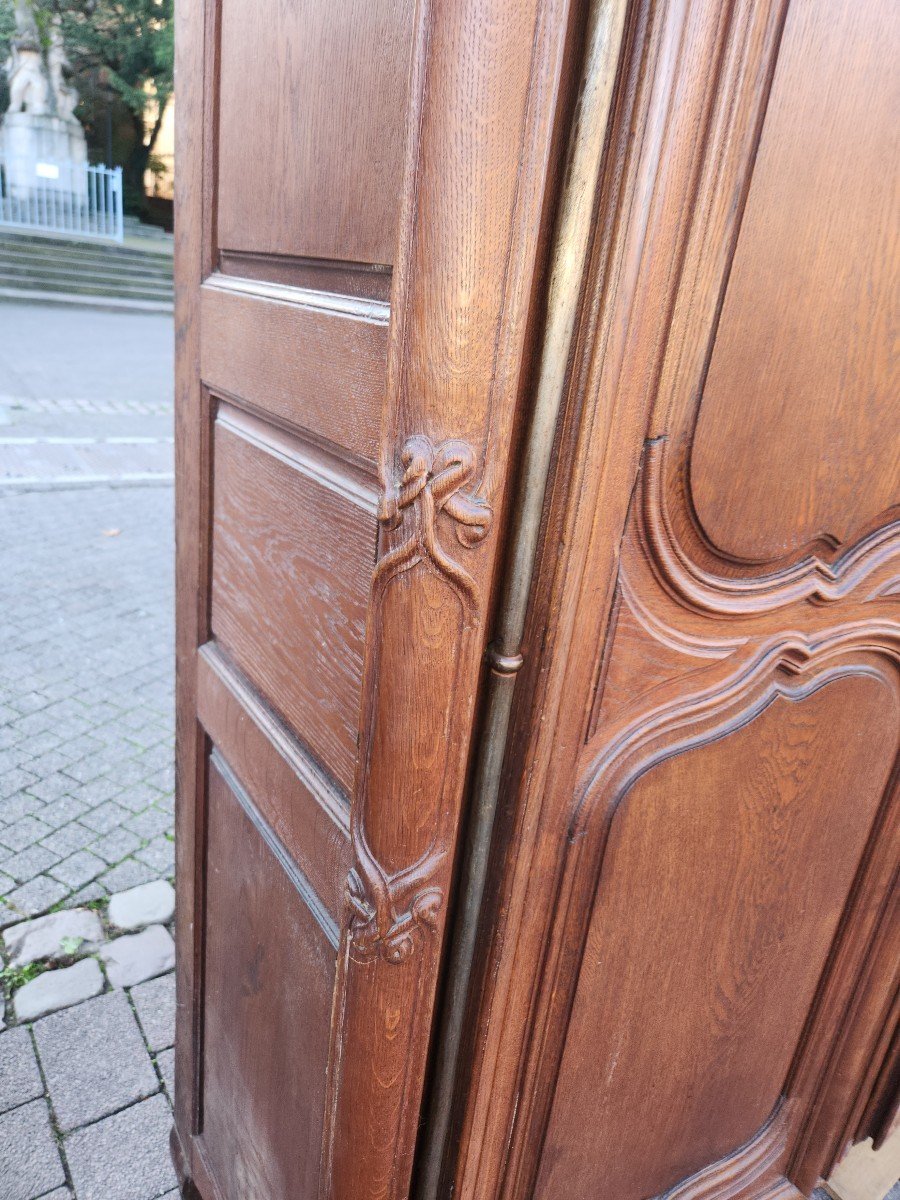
x=700 y=1000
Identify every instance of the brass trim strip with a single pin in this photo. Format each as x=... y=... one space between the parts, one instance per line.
x=569 y=259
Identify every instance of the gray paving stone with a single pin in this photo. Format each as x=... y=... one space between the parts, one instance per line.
x=36 y=896
x=160 y=855
x=69 y=839
x=85 y=770
x=127 y=874
x=165 y=1061
x=99 y=791
x=116 y=845
x=23 y=833
x=125 y=1156
x=31 y=862
x=15 y=780
x=154 y=1002
x=78 y=869
x=149 y=823
x=138 y=796
x=62 y=1194
x=60 y=812
x=138 y=956
x=93 y=891
x=105 y=817
x=148 y=904
x=30 y=1165
x=20 y=1079
x=55 y=936
x=58 y=989
x=85 y=640
x=94 y=1060
x=15 y=807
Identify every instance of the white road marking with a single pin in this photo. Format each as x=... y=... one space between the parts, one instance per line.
x=86 y=441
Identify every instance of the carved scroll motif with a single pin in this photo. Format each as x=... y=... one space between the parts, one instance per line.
x=389 y=912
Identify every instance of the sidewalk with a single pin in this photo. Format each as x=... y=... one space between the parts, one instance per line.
x=86 y=743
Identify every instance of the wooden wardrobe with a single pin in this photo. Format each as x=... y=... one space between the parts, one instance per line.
x=538 y=454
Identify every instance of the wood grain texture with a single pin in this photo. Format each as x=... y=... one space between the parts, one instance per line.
x=269 y=979
x=290 y=573
x=642 y=634
x=191 y=627
x=290 y=356
x=481 y=145
x=313 y=105
x=306 y=810
x=324 y=659
x=811 y=318
x=708 y=936
x=690 y=959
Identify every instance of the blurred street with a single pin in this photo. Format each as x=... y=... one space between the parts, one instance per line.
x=85 y=397
x=86 y=746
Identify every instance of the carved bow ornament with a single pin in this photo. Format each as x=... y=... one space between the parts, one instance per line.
x=432 y=482
x=375 y=927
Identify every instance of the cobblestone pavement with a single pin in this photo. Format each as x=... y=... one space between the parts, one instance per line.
x=86 y=743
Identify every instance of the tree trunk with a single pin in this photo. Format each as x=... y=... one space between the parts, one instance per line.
x=134 y=168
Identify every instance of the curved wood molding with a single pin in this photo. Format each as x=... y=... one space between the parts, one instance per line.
x=750 y=1167
x=791 y=667
x=794 y=668
x=823 y=580
x=717 y=179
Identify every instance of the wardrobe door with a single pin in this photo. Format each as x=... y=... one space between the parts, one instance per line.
x=356 y=263
x=690 y=990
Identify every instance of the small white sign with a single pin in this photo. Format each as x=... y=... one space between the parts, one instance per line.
x=46 y=170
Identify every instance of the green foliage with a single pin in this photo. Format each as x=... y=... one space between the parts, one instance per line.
x=122 y=56
x=7 y=29
x=16 y=977
x=131 y=42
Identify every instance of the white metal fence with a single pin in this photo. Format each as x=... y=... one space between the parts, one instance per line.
x=62 y=197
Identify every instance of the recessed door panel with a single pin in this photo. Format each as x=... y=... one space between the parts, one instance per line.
x=269 y=973
x=712 y=924
x=311 y=127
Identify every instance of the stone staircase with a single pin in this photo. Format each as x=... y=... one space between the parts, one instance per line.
x=54 y=270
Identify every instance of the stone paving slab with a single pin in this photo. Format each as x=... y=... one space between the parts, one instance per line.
x=55 y=990
x=125 y=1156
x=94 y=1060
x=70 y=360
x=30 y=462
x=86 y=704
x=149 y=904
x=20 y=1079
x=86 y=722
x=154 y=1002
x=54 y=936
x=30 y=1165
x=138 y=956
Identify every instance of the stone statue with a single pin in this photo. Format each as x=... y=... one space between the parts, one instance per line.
x=29 y=89
x=64 y=92
x=42 y=144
